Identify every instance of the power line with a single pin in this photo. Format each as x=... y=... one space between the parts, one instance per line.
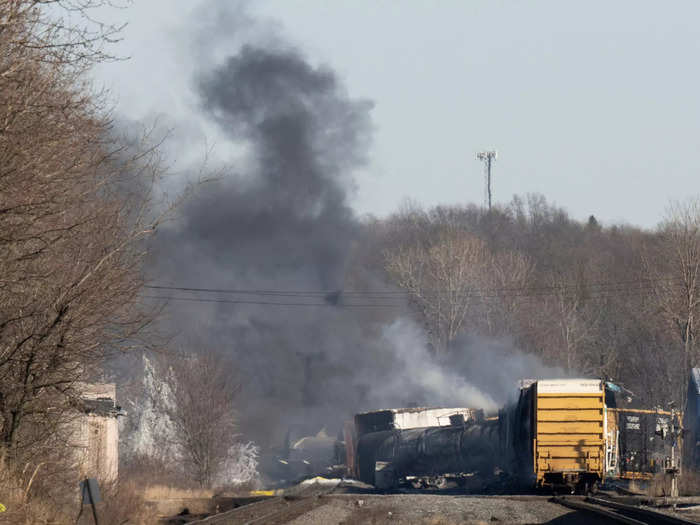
x=590 y=287
x=267 y=303
x=291 y=293
x=476 y=298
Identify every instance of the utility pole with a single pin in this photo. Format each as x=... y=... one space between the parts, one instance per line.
x=487 y=157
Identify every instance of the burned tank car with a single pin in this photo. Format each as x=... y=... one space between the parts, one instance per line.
x=386 y=457
x=392 y=445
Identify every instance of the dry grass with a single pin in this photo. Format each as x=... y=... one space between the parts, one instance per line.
x=161 y=489
x=32 y=498
x=161 y=492
x=123 y=504
x=38 y=495
x=145 y=489
x=239 y=488
x=41 y=503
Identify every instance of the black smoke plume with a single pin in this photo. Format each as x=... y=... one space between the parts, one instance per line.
x=282 y=222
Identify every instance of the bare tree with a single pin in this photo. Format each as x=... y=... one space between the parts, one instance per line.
x=197 y=393
x=75 y=211
x=672 y=262
x=575 y=324
x=443 y=281
x=509 y=278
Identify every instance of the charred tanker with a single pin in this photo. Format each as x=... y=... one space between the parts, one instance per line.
x=386 y=457
x=422 y=445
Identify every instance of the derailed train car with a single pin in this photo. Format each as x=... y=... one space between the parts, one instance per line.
x=555 y=434
x=425 y=454
x=644 y=444
x=424 y=445
x=563 y=434
x=574 y=434
x=552 y=436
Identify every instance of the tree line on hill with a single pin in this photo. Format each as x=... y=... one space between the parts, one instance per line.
x=615 y=301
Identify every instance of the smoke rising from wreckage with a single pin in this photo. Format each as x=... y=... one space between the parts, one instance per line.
x=563 y=435
x=285 y=218
x=290 y=313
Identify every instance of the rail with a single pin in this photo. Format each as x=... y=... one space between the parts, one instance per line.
x=621 y=513
x=275 y=509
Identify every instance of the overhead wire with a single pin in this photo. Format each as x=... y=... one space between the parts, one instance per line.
x=589 y=286
x=332 y=298
x=268 y=303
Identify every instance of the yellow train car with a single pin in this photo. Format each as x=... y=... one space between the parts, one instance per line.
x=563 y=421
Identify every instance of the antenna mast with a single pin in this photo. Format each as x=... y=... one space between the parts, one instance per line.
x=487 y=157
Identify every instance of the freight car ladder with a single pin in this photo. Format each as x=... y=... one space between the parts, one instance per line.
x=569 y=444
x=611 y=449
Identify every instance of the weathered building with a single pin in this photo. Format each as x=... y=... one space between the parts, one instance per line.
x=97 y=433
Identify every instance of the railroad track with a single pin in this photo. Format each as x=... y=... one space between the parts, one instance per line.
x=621 y=513
x=273 y=510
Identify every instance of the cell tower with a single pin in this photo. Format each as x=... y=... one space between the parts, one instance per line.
x=487 y=157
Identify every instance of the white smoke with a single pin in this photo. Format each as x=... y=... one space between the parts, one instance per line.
x=476 y=372
x=418 y=372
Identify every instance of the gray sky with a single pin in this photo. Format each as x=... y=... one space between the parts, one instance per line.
x=594 y=104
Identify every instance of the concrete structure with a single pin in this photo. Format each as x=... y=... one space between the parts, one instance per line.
x=97 y=433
